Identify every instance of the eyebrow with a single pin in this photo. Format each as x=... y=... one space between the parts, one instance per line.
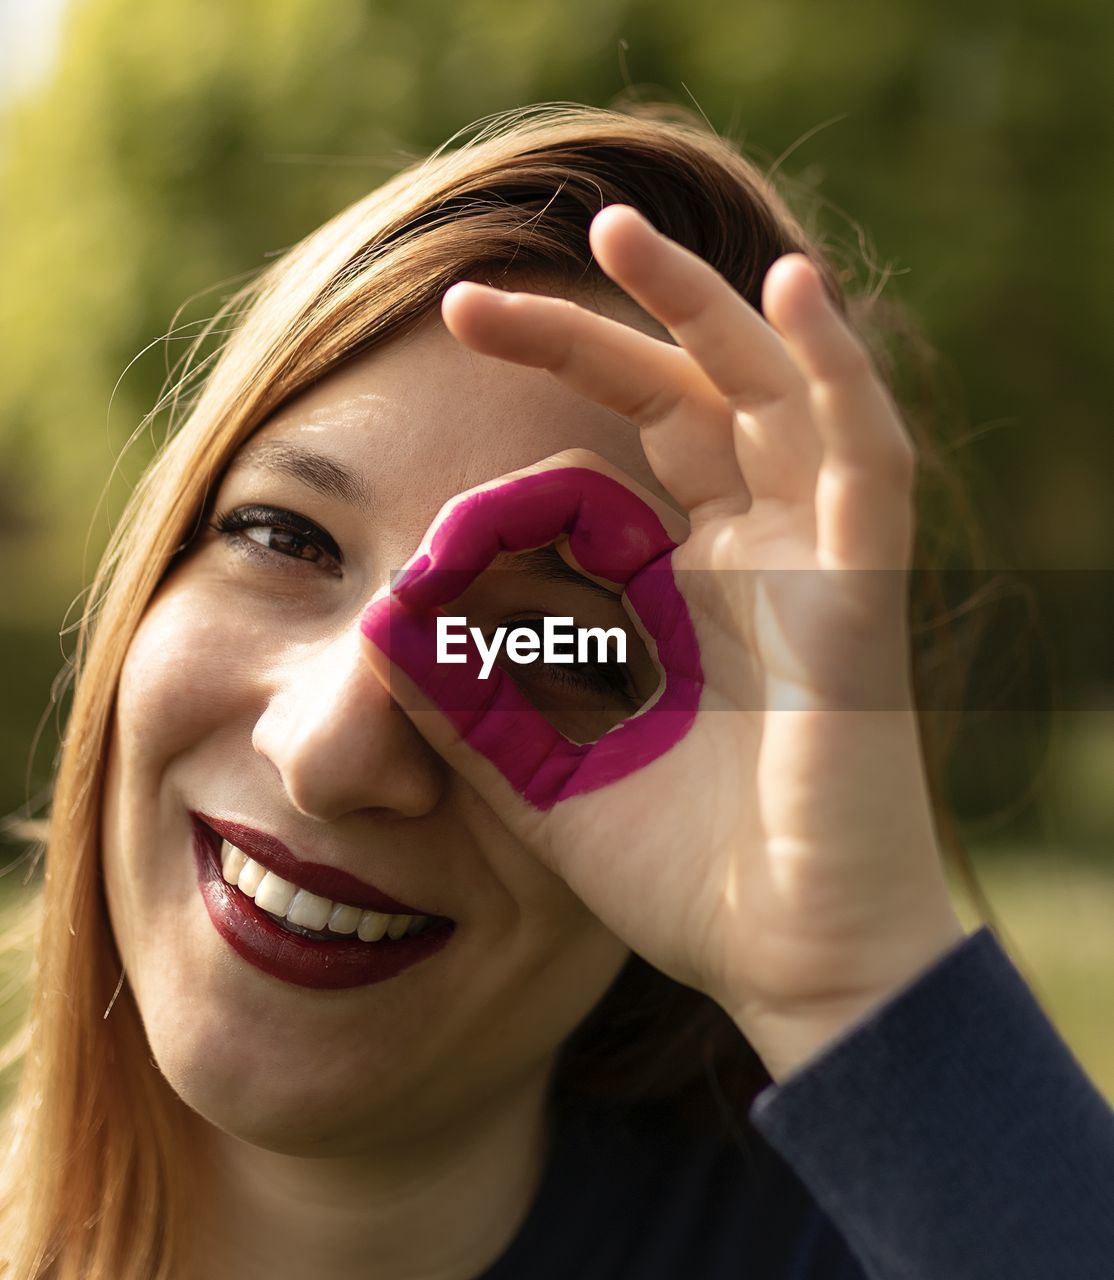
x=316 y=470
x=546 y=565
x=333 y=480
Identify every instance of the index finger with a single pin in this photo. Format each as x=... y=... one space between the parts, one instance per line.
x=730 y=341
x=614 y=526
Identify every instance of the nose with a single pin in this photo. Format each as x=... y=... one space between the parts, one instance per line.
x=338 y=740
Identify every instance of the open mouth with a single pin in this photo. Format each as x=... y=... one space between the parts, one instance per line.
x=309 y=915
x=327 y=944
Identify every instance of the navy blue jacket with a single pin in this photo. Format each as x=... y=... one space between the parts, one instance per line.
x=952 y=1135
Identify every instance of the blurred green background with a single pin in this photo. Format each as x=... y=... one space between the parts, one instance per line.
x=152 y=153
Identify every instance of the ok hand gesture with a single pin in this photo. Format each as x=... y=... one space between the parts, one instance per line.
x=768 y=839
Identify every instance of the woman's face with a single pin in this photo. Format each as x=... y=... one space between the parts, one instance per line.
x=245 y=696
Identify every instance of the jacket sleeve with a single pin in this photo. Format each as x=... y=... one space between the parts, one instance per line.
x=952 y=1135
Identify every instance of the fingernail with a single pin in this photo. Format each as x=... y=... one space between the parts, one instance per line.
x=814 y=272
x=630 y=209
x=406 y=579
x=463 y=286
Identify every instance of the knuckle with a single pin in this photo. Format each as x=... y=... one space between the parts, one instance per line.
x=650 y=406
x=694 y=287
x=685 y=307
x=757 y=399
x=562 y=357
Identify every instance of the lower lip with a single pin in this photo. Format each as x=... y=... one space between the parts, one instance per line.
x=286 y=956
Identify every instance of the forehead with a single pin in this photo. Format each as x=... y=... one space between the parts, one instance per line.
x=422 y=418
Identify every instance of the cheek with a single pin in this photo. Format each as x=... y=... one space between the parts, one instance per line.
x=175 y=695
x=177 y=679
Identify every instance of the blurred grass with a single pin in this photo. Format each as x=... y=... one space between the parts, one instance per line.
x=1056 y=915
x=1055 y=911
x=19 y=916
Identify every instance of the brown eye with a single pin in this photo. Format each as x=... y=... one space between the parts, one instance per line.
x=291 y=536
x=611 y=678
x=288 y=544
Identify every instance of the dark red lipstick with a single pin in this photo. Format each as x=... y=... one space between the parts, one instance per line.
x=326 y=882
x=305 y=962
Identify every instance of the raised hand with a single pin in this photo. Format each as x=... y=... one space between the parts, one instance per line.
x=763 y=831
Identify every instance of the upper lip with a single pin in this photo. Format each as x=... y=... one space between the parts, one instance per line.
x=325 y=881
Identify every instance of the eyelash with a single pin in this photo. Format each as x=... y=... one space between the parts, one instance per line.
x=592 y=676
x=230 y=524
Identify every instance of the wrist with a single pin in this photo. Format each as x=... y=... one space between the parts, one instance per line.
x=788 y=1037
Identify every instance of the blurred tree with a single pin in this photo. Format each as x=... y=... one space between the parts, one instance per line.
x=175 y=147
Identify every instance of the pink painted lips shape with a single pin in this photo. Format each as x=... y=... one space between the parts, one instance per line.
x=612 y=534
x=305 y=962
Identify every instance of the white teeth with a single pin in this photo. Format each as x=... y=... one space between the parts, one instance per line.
x=309 y=910
x=250 y=877
x=280 y=898
x=398 y=926
x=345 y=919
x=274 y=894
x=373 y=925
x=232 y=861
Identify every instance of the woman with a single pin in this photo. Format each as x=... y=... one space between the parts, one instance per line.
x=358 y=961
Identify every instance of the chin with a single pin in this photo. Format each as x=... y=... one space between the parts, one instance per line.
x=281 y=1106
x=270 y=1086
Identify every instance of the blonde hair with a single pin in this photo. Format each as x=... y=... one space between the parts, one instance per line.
x=97 y=1167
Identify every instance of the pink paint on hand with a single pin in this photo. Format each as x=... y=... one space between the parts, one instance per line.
x=613 y=534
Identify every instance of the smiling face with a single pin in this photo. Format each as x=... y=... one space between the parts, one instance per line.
x=245 y=696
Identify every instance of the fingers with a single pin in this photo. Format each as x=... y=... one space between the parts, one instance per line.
x=685 y=426
x=800 y=408
x=613 y=534
x=732 y=344
x=614 y=526
x=490 y=733
x=863 y=505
